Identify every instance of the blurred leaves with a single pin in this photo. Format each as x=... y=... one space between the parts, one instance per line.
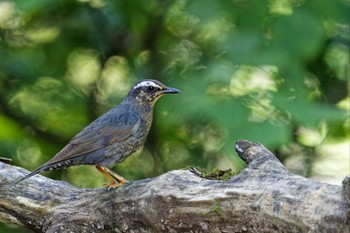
x=271 y=71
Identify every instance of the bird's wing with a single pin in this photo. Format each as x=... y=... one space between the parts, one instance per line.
x=100 y=133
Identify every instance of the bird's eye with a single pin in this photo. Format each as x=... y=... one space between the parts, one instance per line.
x=151 y=88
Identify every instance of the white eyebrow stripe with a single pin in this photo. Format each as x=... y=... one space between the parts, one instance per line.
x=147 y=84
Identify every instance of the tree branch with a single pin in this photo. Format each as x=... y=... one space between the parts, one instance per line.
x=264 y=197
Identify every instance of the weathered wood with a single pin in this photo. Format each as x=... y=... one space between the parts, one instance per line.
x=264 y=197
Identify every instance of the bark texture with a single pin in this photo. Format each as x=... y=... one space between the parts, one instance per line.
x=264 y=197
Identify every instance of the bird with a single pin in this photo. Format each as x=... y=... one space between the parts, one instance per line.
x=112 y=137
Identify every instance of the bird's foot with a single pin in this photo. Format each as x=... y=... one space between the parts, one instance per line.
x=115 y=179
x=113 y=185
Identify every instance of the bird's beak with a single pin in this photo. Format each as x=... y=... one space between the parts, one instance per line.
x=170 y=90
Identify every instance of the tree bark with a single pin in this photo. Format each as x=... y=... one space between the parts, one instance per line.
x=264 y=197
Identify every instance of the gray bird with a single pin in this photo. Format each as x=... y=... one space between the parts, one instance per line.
x=112 y=137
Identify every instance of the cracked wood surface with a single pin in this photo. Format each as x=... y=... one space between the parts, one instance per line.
x=264 y=197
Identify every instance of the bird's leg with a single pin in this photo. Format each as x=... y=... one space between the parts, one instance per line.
x=109 y=175
x=106 y=174
x=115 y=175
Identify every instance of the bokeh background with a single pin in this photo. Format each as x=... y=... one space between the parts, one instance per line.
x=272 y=71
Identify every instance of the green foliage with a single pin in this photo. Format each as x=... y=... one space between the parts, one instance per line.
x=270 y=71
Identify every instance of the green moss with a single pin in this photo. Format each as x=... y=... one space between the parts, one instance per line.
x=215 y=174
x=218 y=209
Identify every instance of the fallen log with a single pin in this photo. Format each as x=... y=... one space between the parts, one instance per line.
x=264 y=197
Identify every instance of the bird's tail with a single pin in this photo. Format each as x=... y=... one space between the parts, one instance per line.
x=38 y=170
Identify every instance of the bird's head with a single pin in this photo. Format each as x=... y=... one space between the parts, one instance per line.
x=148 y=91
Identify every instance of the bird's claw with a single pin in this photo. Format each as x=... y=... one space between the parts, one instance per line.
x=113 y=185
